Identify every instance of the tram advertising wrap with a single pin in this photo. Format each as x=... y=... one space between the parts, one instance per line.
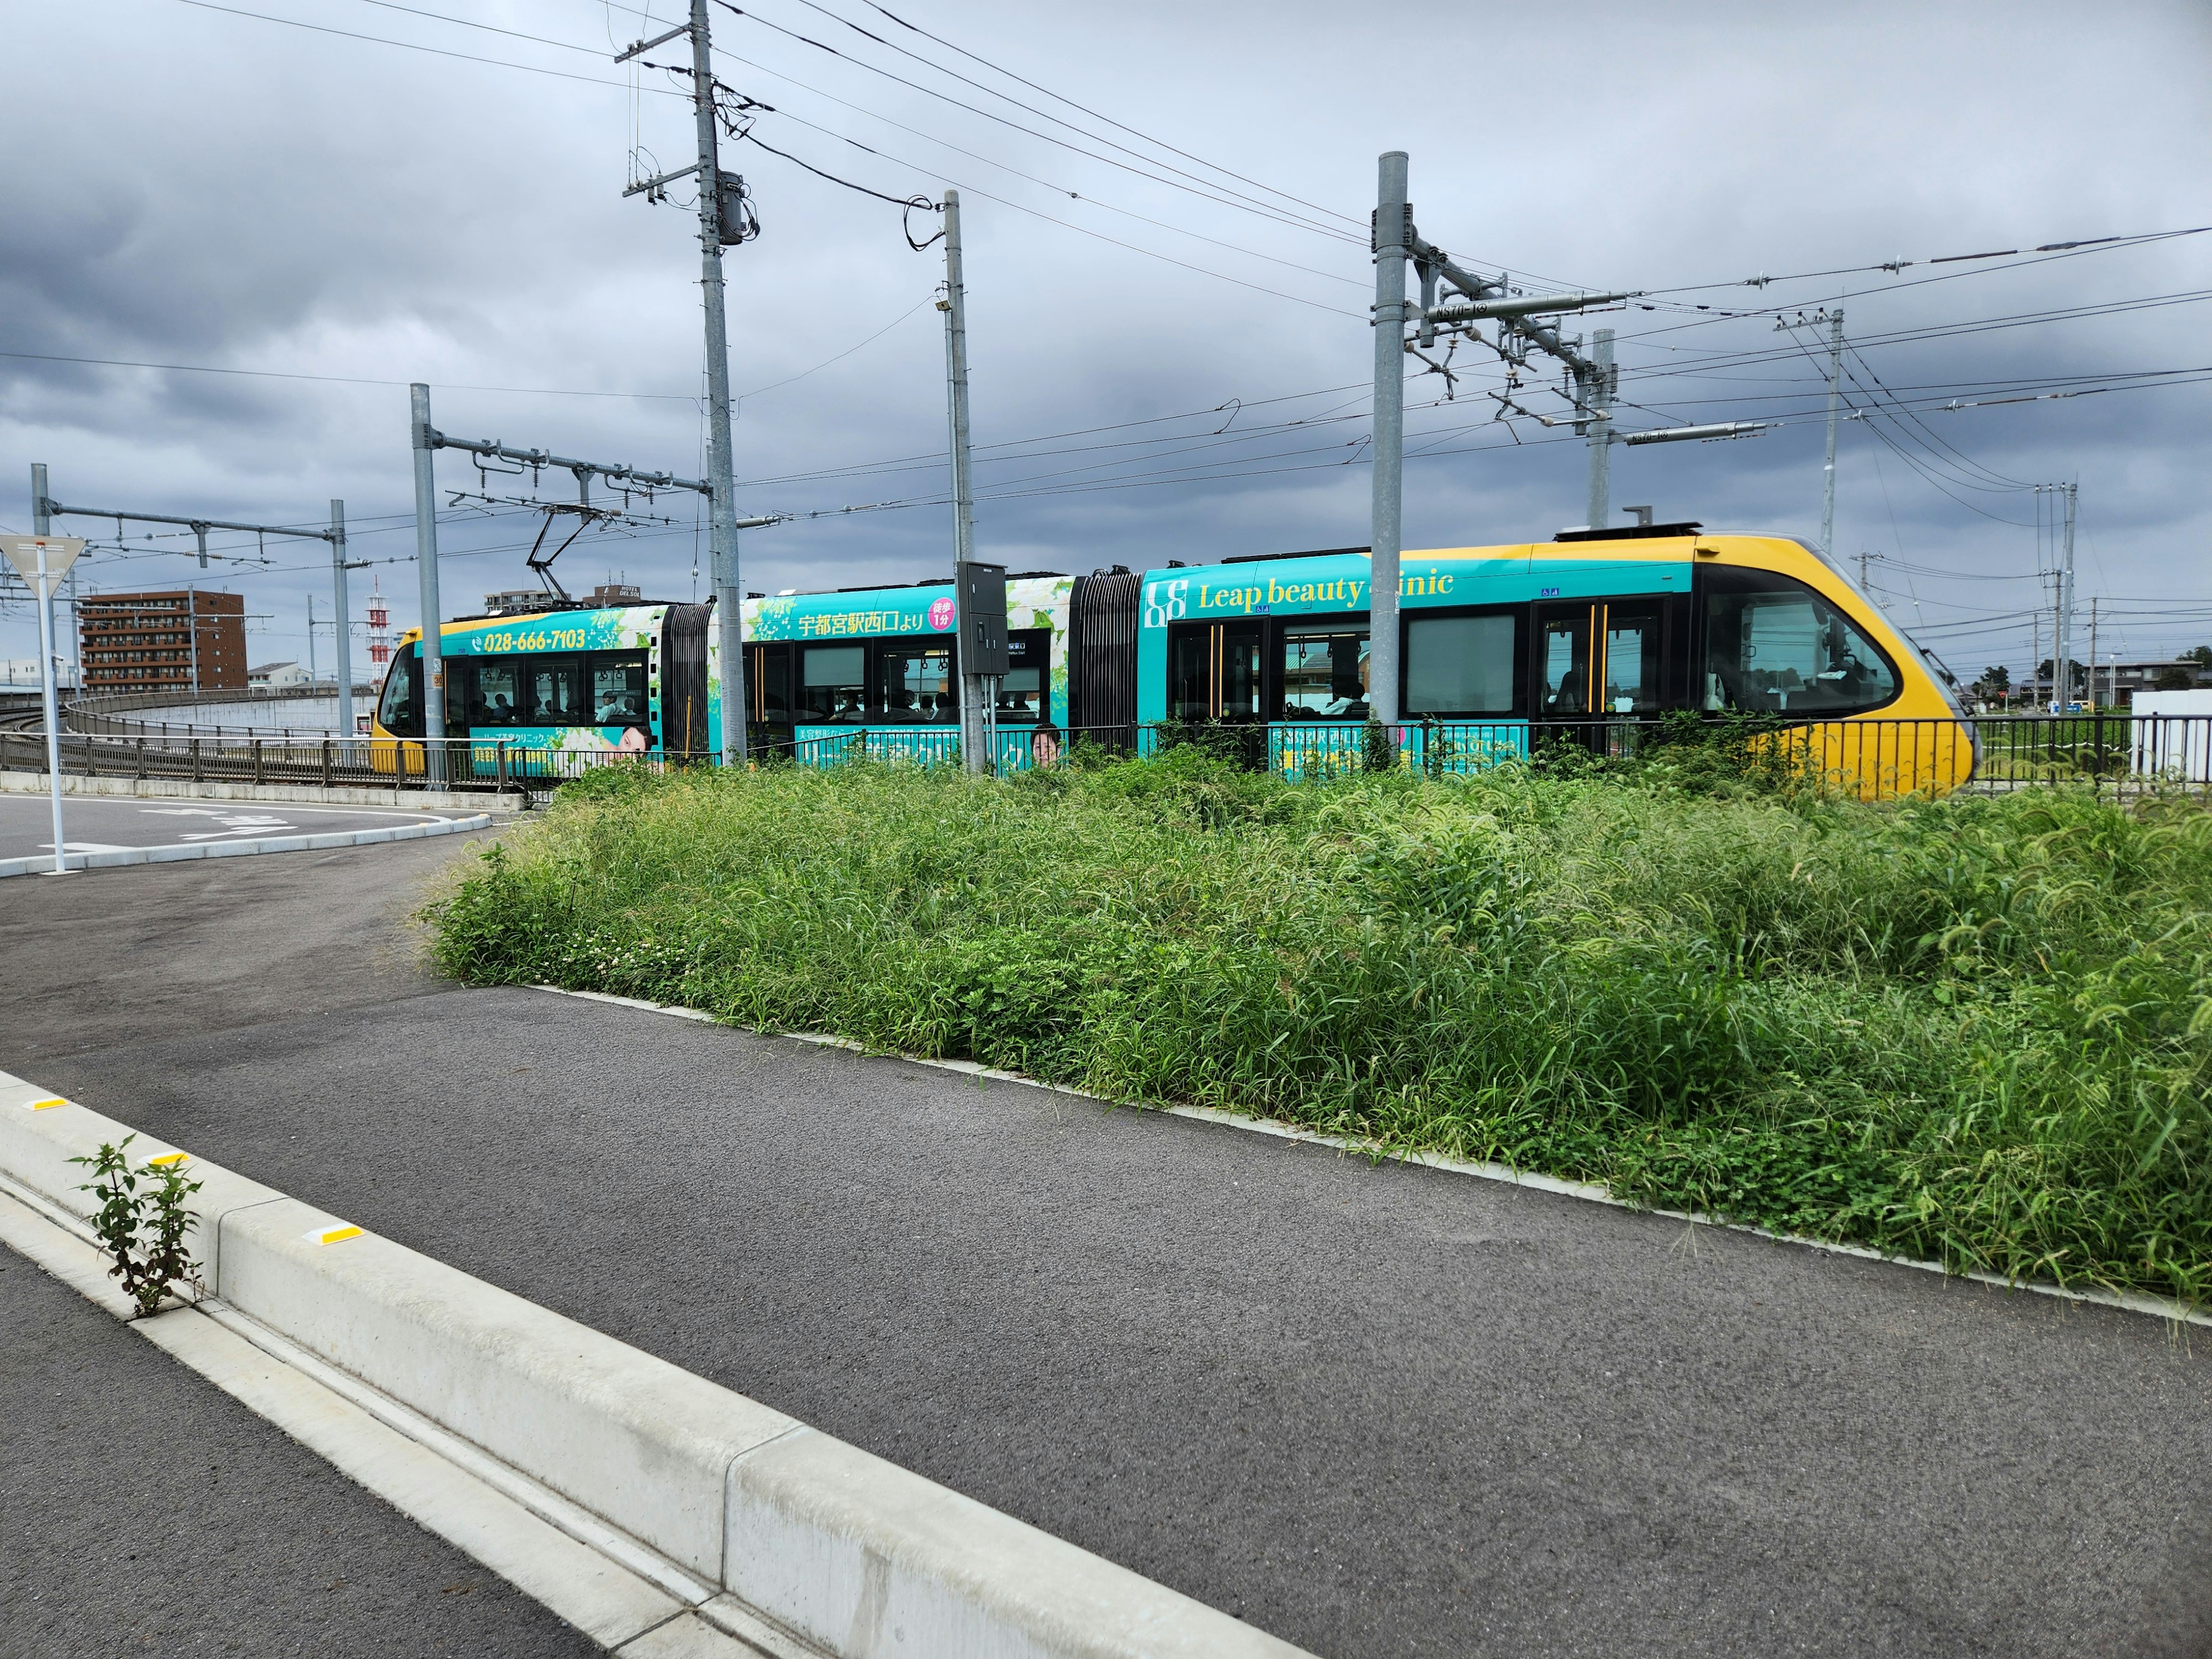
x=1583 y=639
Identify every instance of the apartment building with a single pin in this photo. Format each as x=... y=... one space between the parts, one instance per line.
x=184 y=639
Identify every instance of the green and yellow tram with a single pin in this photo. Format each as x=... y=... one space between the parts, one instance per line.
x=1588 y=639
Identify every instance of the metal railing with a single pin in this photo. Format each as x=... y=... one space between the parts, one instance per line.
x=2124 y=756
x=1875 y=758
x=116 y=714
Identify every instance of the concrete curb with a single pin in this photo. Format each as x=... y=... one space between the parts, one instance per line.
x=310 y=794
x=228 y=849
x=796 y=1534
x=2135 y=1302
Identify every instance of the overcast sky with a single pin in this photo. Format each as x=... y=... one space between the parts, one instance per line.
x=194 y=187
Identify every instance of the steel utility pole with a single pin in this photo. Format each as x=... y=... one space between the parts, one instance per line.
x=45 y=509
x=722 y=506
x=2063 y=630
x=974 y=692
x=1601 y=429
x=426 y=578
x=1393 y=226
x=2092 y=651
x=1828 y=472
x=341 y=645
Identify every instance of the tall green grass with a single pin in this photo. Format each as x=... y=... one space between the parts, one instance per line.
x=1976 y=1029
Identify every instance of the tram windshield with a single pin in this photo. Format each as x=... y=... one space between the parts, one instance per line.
x=1773 y=646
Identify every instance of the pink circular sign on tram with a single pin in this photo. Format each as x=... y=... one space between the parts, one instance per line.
x=940 y=614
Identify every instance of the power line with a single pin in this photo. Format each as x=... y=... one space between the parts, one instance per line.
x=937 y=173
x=409 y=46
x=1234 y=200
x=1095 y=114
x=209 y=5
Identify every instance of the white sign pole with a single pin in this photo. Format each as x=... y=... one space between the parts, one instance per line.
x=53 y=720
x=30 y=556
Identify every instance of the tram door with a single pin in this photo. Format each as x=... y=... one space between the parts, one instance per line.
x=1598 y=664
x=1213 y=671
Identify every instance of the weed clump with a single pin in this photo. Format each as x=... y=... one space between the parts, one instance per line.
x=1977 y=1030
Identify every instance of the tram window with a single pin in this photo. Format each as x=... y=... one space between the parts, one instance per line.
x=917 y=681
x=771 y=687
x=1324 y=672
x=1631 y=660
x=491 y=692
x=1022 y=689
x=1213 y=671
x=1190 y=673
x=618 y=691
x=401 y=712
x=1774 y=646
x=1462 y=665
x=1565 y=660
x=833 y=682
x=552 y=691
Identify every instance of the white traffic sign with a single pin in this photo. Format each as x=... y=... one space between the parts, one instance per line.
x=60 y=552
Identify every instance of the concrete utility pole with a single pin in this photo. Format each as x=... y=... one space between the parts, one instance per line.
x=1601 y=430
x=313 y=677
x=723 y=221
x=975 y=689
x=716 y=226
x=1393 y=223
x=426 y=577
x=1828 y=473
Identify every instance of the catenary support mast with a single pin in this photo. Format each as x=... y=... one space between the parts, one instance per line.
x=341 y=645
x=1393 y=223
x=426 y=577
x=1828 y=471
x=1599 y=408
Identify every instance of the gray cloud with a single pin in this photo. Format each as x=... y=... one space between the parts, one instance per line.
x=239 y=193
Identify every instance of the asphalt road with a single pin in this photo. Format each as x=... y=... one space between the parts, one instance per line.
x=1373 y=1409
x=97 y=823
x=142 y=1509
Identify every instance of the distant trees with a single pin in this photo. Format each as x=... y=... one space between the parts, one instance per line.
x=1995 y=685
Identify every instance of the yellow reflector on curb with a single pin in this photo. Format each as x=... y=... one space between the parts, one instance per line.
x=166 y=1157
x=46 y=1104
x=332 y=1235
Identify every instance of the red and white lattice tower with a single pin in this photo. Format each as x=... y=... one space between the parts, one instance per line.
x=380 y=625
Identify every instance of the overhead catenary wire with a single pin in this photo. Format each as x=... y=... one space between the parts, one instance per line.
x=1236 y=200
x=936 y=175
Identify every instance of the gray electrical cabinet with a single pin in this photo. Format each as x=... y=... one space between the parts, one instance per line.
x=982 y=593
